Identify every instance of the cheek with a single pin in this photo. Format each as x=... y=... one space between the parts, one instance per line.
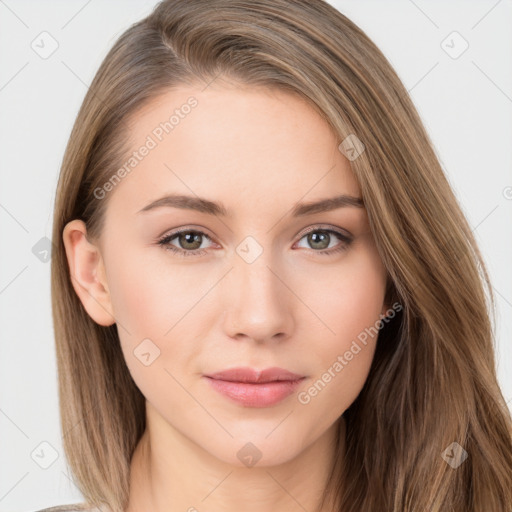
x=348 y=298
x=136 y=298
x=352 y=312
x=150 y=295
x=157 y=308
x=360 y=292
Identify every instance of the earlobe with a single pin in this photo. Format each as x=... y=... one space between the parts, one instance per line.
x=87 y=273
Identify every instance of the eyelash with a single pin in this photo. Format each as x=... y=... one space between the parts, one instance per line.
x=166 y=239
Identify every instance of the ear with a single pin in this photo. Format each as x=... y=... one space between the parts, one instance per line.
x=87 y=273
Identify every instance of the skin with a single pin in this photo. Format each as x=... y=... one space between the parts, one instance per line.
x=259 y=152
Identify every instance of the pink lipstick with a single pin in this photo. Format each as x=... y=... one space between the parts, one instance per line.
x=255 y=388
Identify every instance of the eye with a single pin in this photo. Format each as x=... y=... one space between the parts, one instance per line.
x=189 y=242
x=319 y=239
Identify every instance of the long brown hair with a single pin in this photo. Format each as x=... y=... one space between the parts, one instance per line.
x=433 y=380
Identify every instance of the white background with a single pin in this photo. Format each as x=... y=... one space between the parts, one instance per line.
x=465 y=103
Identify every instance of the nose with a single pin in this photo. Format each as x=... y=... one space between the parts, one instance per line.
x=258 y=303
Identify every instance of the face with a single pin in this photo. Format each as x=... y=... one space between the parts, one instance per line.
x=248 y=282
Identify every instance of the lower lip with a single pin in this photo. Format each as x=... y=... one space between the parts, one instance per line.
x=256 y=395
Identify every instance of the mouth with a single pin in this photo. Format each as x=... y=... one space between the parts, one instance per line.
x=255 y=388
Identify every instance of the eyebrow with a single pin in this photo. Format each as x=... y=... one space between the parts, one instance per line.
x=214 y=208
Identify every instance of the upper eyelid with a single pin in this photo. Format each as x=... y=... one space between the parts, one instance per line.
x=322 y=227
x=187 y=229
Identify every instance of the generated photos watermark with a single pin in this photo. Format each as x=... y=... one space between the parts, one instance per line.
x=304 y=397
x=152 y=140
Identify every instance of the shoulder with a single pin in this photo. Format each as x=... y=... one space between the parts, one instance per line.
x=78 y=507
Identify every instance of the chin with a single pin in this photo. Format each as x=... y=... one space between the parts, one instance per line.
x=257 y=450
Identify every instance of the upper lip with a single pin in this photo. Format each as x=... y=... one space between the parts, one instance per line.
x=247 y=374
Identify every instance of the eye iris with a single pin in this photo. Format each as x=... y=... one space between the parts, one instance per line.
x=319 y=237
x=190 y=238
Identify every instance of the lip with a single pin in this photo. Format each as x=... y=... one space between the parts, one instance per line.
x=255 y=388
x=252 y=375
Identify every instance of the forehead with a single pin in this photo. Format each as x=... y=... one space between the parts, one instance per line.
x=245 y=146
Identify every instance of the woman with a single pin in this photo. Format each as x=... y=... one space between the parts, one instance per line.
x=324 y=343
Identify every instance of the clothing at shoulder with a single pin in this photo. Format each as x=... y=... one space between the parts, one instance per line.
x=78 y=507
